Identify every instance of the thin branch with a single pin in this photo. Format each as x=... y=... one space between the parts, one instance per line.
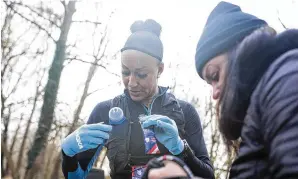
x=280 y=20
x=7 y=20
x=11 y=57
x=37 y=94
x=92 y=92
x=87 y=21
x=103 y=53
x=115 y=55
x=20 y=77
x=31 y=21
x=101 y=43
x=205 y=125
x=21 y=102
x=63 y=3
x=17 y=41
x=37 y=13
x=16 y=134
x=18 y=81
x=80 y=60
x=18 y=55
x=92 y=63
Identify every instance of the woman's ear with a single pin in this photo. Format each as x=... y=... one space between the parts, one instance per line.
x=160 y=69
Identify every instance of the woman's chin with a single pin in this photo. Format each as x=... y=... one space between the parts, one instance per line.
x=136 y=98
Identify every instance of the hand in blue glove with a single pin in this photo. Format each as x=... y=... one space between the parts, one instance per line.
x=166 y=132
x=85 y=137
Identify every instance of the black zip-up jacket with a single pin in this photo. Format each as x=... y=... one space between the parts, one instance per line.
x=199 y=164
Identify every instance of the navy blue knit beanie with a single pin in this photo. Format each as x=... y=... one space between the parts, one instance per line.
x=226 y=26
x=145 y=38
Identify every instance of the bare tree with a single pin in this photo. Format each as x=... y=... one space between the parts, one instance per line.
x=38 y=91
x=10 y=162
x=6 y=50
x=51 y=89
x=13 y=6
x=14 y=139
x=99 y=54
x=6 y=120
x=13 y=48
x=221 y=159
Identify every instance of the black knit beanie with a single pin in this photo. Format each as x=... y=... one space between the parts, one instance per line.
x=145 y=38
x=226 y=26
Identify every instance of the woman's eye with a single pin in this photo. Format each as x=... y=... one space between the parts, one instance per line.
x=214 y=76
x=125 y=73
x=142 y=76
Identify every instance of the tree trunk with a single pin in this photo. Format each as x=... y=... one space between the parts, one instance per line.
x=7 y=155
x=57 y=167
x=57 y=161
x=23 y=144
x=6 y=120
x=51 y=89
x=14 y=139
x=55 y=173
x=37 y=166
x=78 y=110
x=49 y=161
x=91 y=72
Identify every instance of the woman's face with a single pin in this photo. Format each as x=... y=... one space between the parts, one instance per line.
x=139 y=74
x=214 y=74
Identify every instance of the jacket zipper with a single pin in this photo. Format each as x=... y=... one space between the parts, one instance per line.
x=148 y=111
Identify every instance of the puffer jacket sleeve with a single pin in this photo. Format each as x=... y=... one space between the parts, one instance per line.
x=279 y=115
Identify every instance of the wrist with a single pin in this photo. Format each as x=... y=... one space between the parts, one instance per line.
x=187 y=152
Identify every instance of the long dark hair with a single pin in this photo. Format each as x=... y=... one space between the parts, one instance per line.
x=247 y=64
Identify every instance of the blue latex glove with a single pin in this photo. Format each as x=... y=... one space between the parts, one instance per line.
x=166 y=132
x=85 y=137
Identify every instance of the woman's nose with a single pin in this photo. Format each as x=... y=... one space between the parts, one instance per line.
x=132 y=81
x=215 y=91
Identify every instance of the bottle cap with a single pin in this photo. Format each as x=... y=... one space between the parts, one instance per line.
x=116 y=115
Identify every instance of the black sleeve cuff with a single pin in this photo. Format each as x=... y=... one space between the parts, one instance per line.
x=198 y=167
x=69 y=164
x=187 y=152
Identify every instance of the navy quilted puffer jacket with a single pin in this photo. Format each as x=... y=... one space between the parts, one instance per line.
x=269 y=147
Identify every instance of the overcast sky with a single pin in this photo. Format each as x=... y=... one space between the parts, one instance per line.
x=182 y=22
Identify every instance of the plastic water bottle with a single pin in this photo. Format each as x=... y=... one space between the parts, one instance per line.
x=116 y=116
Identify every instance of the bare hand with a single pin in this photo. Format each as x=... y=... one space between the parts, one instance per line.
x=171 y=169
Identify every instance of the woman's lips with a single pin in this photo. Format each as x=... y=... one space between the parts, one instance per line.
x=134 y=93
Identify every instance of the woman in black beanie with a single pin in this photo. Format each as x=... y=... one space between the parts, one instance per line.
x=177 y=126
x=254 y=75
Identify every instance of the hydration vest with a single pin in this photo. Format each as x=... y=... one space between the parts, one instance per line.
x=126 y=146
